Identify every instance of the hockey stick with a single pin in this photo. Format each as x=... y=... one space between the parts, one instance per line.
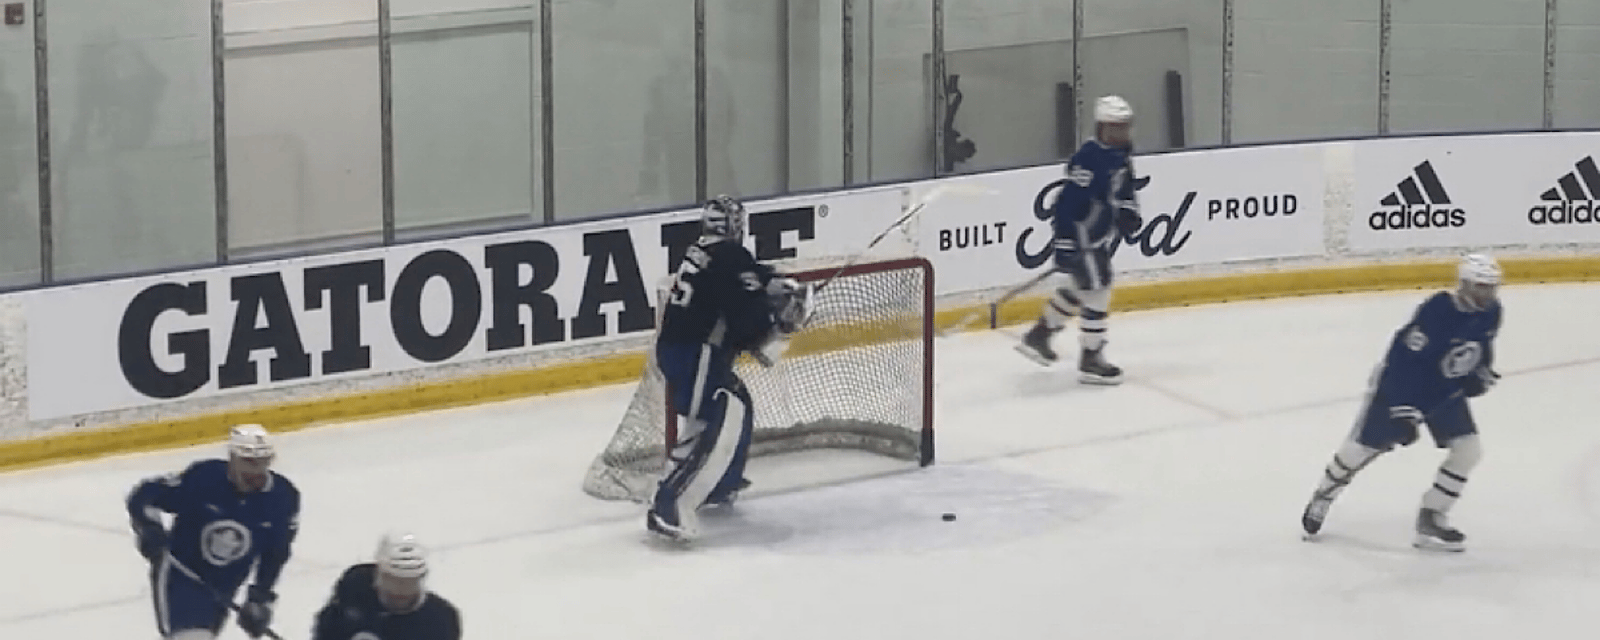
x=214 y=593
x=1004 y=298
x=933 y=195
x=922 y=203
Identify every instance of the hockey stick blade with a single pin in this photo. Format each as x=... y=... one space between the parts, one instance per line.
x=970 y=318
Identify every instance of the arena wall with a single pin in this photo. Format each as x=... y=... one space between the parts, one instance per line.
x=174 y=359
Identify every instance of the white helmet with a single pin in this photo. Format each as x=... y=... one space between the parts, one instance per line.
x=1113 y=110
x=1478 y=281
x=401 y=556
x=1479 y=269
x=250 y=441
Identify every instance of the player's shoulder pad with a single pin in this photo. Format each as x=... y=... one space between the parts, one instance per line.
x=730 y=253
x=357 y=575
x=203 y=470
x=1439 y=301
x=283 y=486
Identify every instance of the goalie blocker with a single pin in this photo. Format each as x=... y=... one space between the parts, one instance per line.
x=858 y=374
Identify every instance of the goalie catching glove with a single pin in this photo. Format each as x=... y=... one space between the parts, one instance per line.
x=789 y=301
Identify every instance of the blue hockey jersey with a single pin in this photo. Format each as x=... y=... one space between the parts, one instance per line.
x=218 y=532
x=1430 y=357
x=1099 y=185
x=719 y=298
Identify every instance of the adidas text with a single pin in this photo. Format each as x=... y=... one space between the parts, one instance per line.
x=1566 y=212
x=1417 y=217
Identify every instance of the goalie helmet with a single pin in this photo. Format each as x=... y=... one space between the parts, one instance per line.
x=723 y=217
x=1478 y=279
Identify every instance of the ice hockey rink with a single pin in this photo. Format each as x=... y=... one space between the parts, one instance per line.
x=1164 y=508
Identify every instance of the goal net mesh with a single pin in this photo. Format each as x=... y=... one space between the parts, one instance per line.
x=857 y=376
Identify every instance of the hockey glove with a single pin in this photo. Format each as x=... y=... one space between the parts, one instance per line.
x=1406 y=420
x=789 y=302
x=1480 y=382
x=152 y=539
x=255 y=615
x=1129 y=222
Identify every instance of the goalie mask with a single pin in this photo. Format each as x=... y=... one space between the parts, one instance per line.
x=723 y=217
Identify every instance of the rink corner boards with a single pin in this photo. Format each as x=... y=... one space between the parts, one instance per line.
x=625 y=367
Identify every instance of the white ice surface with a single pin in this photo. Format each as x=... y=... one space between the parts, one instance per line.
x=1164 y=508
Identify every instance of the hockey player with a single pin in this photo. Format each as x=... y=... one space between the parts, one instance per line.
x=1438 y=359
x=1097 y=207
x=722 y=303
x=386 y=599
x=228 y=515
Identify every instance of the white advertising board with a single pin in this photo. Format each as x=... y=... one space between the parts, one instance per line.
x=1205 y=207
x=137 y=342
x=1465 y=191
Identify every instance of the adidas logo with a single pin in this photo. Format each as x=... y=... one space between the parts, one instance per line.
x=1410 y=207
x=1570 y=203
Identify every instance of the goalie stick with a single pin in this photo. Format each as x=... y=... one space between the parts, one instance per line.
x=922 y=203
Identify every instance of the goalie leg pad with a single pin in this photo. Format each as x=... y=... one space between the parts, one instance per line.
x=702 y=458
x=733 y=480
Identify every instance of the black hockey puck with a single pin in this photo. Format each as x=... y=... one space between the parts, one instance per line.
x=948 y=517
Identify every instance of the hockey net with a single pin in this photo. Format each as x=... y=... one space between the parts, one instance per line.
x=859 y=375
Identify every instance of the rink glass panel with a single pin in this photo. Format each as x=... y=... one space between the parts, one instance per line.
x=466 y=118
x=131 y=164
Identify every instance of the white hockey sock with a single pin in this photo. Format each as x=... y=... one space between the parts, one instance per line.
x=1059 y=309
x=1351 y=457
x=1096 y=309
x=1448 y=483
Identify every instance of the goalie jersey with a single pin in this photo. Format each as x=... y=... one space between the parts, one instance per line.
x=1099 y=188
x=719 y=298
x=1432 y=357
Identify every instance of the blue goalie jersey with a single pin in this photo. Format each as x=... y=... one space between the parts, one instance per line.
x=1432 y=357
x=1099 y=187
x=218 y=532
x=719 y=298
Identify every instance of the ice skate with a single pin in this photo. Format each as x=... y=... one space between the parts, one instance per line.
x=1316 y=512
x=1435 y=533
x=1093 y=369
x=668 y=528
x=727 y=499
x=1035 y=345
